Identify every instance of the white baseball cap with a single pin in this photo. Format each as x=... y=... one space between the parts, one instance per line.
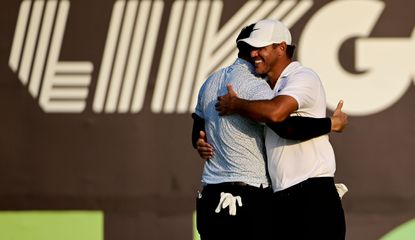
x=267 y=32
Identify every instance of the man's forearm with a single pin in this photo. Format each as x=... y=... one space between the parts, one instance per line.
x=274 y=110
x=301 y=128
x=259 y=110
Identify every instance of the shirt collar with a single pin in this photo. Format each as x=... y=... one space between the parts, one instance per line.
x=290 y=67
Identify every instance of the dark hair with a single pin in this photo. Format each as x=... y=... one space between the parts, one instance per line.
x=243 y=47
x=245 y=32
x=290 y=51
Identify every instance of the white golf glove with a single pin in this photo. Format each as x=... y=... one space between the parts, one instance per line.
x=228 y=200
x=341 y=189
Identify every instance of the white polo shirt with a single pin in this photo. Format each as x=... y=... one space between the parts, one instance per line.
x=289 y=161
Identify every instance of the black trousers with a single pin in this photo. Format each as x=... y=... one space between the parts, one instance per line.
x=309 y=210
x=249 y=222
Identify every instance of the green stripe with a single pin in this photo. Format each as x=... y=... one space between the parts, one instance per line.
x=405 y=231
x=195 y=232
x=51 y=225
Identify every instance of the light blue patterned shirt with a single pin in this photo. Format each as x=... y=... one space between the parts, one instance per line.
x=237 y=141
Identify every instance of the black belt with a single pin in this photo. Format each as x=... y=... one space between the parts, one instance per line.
x=233 y=184
x=239 y=184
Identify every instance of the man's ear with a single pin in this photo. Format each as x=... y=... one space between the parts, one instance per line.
x=283 y=46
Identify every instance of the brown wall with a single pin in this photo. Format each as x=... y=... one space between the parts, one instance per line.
x=140 y=168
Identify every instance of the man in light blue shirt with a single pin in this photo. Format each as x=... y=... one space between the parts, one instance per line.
x=238 y=167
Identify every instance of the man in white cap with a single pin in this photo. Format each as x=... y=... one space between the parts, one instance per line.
x=235 y=177
x=305 y=204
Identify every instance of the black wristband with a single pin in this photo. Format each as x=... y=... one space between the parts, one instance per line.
x=198 y=125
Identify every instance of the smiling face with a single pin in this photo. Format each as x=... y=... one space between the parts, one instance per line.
x=262 y=58
x=269 y=39
x=266 y=58
x=270 y=60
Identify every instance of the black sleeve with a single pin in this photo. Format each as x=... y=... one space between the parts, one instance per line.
x=198 y=125
x=301 y=128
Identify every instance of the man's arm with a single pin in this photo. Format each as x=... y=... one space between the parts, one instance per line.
x=301 y=128
x=274 y=110
x=198 y=125
x=305 y=128
x=199 y=142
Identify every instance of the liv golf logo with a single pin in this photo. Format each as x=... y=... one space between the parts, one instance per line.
x=194 y=46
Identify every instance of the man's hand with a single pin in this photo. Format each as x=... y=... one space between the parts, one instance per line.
x=339 y=119
x=204 y=149
x=226 y=103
